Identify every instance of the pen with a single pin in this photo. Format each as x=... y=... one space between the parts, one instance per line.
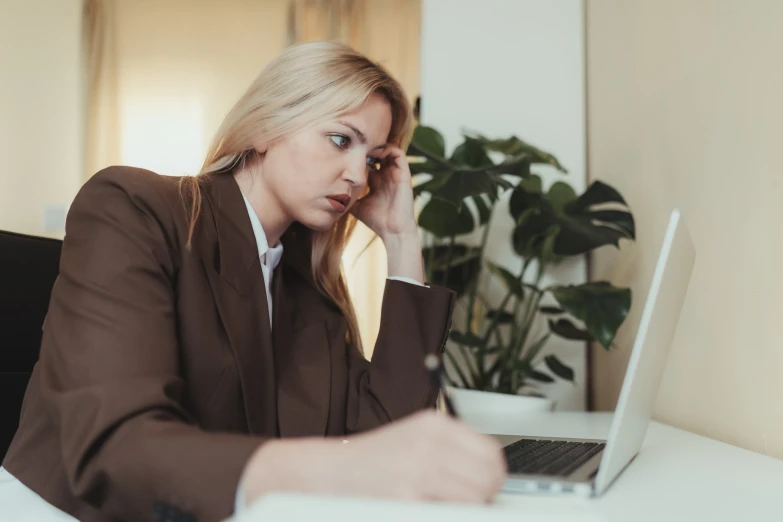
x=433 y=366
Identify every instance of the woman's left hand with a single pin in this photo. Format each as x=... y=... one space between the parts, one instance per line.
x=388 y=208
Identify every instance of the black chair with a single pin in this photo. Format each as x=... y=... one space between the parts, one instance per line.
x=28 y=268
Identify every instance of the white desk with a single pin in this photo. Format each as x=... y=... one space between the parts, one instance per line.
x=676 y=476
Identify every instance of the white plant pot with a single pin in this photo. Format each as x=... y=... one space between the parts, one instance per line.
x=484 y=410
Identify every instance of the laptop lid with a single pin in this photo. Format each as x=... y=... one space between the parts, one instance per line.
x=650 y=352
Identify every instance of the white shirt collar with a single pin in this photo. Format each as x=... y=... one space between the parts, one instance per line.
x=273 y=254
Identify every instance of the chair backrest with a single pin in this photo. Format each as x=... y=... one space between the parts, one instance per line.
x=28 y=268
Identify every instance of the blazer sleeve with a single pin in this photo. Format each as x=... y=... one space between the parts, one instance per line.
x=415 y=322
x=110 y=365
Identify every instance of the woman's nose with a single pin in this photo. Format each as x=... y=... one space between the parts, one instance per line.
x=356 y=174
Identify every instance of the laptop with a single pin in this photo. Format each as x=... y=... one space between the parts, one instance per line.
x=588 y=467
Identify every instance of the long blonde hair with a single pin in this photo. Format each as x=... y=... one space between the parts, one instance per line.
x=307 y=84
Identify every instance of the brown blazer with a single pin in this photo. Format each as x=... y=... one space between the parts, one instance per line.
x=159 y=375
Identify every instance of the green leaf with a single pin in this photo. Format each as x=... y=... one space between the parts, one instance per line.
x=444 y=219
x=454 y=267
x=597 y=193
x=503 y=317
x=568 y=330
x=534 y=349
x=432 y=185
x=558 y=368
x=501 y=182
x=461 y=185
x=547 y=251
x=599 y=305
x=580 y=236
x=582 y=228
x=590 y=228
x=528 y=240
x=540 y=377
x=523 y=200
x=618 y=218
x=532 y=184
x=527 y=208
x=471 y=154
x=466 y=339
x=513 y=166
x=559 y=195
x=511 y=281
x=513 y=146
x=428 y=167
x=428 y=142
x=483 y=209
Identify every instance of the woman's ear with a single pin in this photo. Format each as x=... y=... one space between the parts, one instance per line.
x=260 y=148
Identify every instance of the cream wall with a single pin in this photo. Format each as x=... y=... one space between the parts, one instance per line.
x=40 y=111
x=685 y=108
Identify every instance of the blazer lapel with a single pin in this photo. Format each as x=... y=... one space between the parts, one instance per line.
x=238 y=288
x=302 y=358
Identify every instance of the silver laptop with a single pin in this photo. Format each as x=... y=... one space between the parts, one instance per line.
x=588 y=467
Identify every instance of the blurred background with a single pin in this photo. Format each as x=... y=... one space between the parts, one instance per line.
x=675 y=103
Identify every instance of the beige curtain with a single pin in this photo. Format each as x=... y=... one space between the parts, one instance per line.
x=102 y=127
x=387 y=31
x=327 y=20
x=161 y=75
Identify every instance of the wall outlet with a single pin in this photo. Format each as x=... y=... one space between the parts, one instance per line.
x=54 y=218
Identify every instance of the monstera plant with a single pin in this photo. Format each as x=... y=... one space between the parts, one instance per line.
x=498 y=348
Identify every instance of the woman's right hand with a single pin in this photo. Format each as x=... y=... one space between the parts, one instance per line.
x=426 y=456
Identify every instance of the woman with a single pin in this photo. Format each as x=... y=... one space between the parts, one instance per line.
x=201 y=348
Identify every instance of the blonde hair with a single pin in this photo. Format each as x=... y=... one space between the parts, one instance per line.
x=306 y=85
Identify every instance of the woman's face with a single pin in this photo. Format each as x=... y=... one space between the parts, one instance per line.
x=317 y=174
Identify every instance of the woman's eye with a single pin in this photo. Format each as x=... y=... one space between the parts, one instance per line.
x=373 y=163
x=340 y=140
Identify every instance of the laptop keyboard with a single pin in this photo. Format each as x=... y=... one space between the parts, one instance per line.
x=549 y=457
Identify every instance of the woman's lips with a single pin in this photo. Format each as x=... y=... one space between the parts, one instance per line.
x=339 y=202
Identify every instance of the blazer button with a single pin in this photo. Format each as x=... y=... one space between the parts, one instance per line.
x=160 y=510
x=167 y=513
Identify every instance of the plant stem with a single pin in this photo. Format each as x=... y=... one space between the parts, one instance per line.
x=470 y=365
x=431 y=259
x=499 y=338
x=464 y=380
x=495 y=319
x=449 y=254
x=498 y=361
x=491 y=329
x=530 y=310
x=517 y=331
x=474 y=287
x=519 y=335
x=472 y=297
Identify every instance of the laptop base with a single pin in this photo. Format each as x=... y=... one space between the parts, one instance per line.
x=541 y=455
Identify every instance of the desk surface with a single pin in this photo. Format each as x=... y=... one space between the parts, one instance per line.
x=676 y=476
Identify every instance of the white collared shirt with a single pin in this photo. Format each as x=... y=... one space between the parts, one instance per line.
x=270 y=256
